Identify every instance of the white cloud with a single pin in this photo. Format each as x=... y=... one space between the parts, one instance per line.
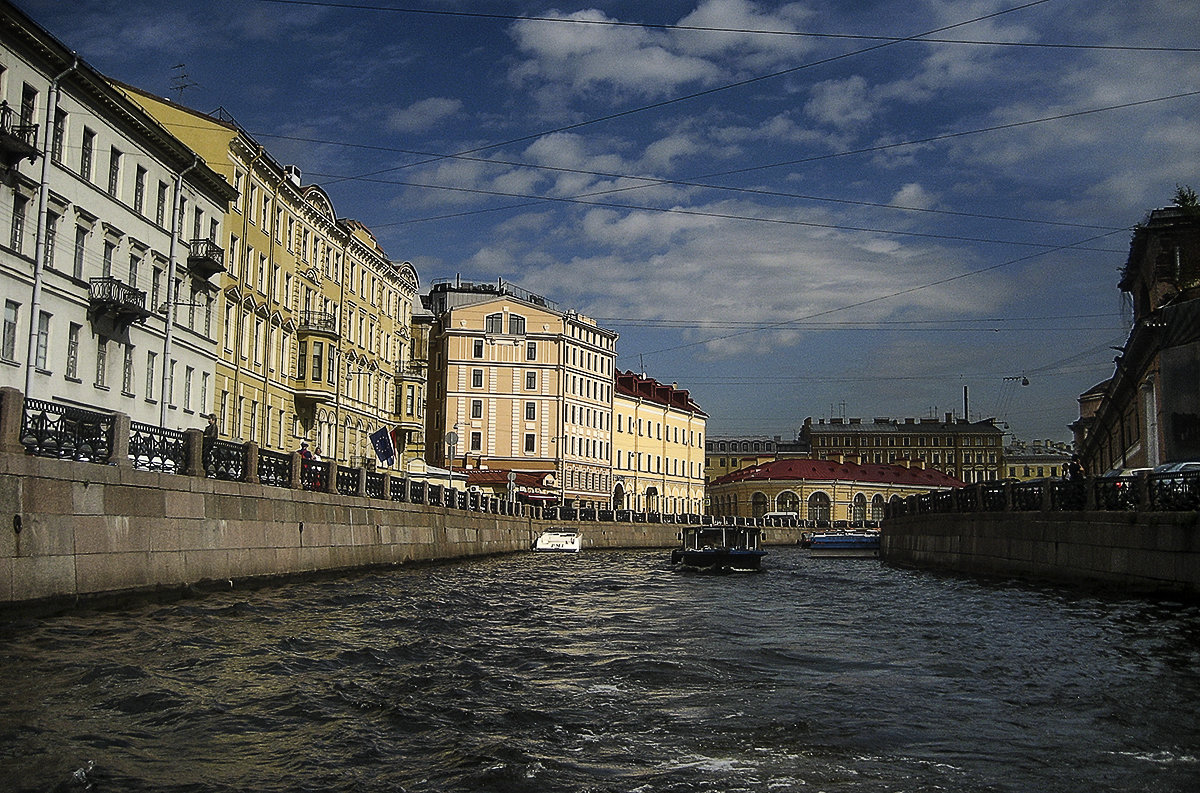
x=424 y=115
x=842 y=103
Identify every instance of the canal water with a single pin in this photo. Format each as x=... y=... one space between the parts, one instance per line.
x=606 y=671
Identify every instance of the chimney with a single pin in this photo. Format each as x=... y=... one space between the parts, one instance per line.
x=293 y=174
x=949 y=418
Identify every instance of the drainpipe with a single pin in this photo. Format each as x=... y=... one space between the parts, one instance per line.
x=241 y=270
x=39 y=246
x=337 y=365
x=165 y=394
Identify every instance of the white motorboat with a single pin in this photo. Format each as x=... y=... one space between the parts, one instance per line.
x=558 y=540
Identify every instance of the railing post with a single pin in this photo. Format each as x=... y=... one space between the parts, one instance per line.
x=1008 y=496
x=1089 y=494
x=296 y=469
x=361 y=490
x=252 y=462
x=193 y=441
x=1047 y=503
x=1142 y=488
x=387 y=486
x=12 y=414
x=120 y=441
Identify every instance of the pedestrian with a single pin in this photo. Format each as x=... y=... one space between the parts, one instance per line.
x=1075 y=469
x=317 y=454
x=304 y=452
x=210 y=440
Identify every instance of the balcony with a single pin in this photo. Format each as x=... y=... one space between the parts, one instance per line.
x=205 y=259
x=18 y=141
x=317 y=323
x=314 y=391
x=110 y=297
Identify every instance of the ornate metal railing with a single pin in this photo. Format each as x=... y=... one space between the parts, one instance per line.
x=1027 y=496
x=314 y=474
x=1175 y=492
x=225 y=460
x=416 y=492
x=274 y=468
x=398 y=488
x=374 y=485
x=347 y=481
x=1116 y=493
x=1067 y=495
x=49 y=429
x=157 y=449
x=993 y=497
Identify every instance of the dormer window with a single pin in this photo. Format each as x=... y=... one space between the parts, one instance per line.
x=516 y=325
x=493 y=323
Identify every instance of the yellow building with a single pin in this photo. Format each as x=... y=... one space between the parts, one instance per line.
x=316 y=336
x=516 y=384
x=822 y=491
x=658 y=447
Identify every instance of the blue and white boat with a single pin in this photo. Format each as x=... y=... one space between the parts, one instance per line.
x=845 y=542
x=719 y=549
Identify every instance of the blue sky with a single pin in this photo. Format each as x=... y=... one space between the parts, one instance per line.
x=816 y=220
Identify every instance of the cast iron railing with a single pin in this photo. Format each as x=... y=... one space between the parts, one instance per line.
x=225 y=460
x=157 y=449
x=274 y=468
x=49 y=429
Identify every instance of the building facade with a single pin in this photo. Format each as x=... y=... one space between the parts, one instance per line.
x=1148 y=412
x=115 y=241
x=517 y=384
x=824 y=491
x=316 y=321
x=724 y=454
x=658 y=447
x=968 y=451
x=1036 y=459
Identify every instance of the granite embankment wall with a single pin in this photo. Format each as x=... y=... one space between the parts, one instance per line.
x=1152 y=552
x=77 y=530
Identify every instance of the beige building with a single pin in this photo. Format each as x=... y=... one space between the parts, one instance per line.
x=315 y=339
x=828 y=491
x=969 y=451
x=658 y=447
x=1036 y=459
x=518 y=384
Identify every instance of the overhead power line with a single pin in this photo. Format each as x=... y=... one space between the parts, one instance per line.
x=715 y=29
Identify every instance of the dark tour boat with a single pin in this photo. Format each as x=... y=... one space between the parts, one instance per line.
x=719 y=549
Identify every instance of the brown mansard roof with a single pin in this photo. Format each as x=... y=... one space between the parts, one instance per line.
x=800 y=468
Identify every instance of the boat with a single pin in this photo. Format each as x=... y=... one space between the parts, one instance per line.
x=845 y=542
x=558 y=540
x=719 y=549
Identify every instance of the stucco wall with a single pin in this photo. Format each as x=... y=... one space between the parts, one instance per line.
x=74 y=529
x=1139 y=551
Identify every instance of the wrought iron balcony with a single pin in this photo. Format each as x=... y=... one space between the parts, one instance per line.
x=205 y=258
x=318 y=323
x=112 y=298
x=18 y=141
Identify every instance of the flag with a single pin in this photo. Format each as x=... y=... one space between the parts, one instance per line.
x=381 y=439
x=397 y=438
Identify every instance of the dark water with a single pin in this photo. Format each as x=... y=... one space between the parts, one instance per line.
x=608 y=672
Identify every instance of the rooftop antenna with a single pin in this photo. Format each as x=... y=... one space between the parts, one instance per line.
x=181 y=80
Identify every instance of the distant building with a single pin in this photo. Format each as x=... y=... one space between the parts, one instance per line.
x=724 y=454
x=968 y=451
x=517 y=384
x=114 y=241
x=824 y=491
x=658 y=462
x=1148 y=412
x=1036 y=459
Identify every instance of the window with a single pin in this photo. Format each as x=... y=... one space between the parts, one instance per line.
x=107 y=261
x=516 y=325
x=531 y=381
x=51 y=239
x=139 y=190
x=493 y=323
x=8 y=350
x=102 y=362
x=530 y=443
x=170 y=395
x=477 y=378
x=531 y=411
x=80 y=239
x=28 y=104
x=72 y=372
x=477 y=348
x=302 y=361
x=17 y=238
x=85 y=154
x=114 y=171
x=476 y=441
x=204 y=390
x=531 y=351
x=59 y=135
x=160 y=211
x=43 y=340
x=127 y=371
x=318 y=350
x=476 y=408
x=409 y=400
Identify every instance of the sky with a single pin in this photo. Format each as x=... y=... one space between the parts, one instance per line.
x=804 y=209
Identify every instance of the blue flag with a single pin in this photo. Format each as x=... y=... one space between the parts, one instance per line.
x=381 y=439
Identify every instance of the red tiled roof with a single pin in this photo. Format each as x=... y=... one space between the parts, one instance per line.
x=649 y=389
x=826 y=470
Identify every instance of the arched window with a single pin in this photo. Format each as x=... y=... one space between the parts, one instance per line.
x=877 y=505
x=859 y=513
x=758 y=504
x=516 y=325
x=787 y=501
x=493 y=323
x=818 y=507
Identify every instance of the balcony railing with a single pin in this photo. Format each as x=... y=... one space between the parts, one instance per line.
x=18 y=140
x=320 y=322
x=205 y=258
x=109 y=296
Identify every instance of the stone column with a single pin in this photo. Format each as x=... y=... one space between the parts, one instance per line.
x=12 y=413
x=194 y=443
x=296 y=483
x=361 y=490
x=252 y=462
x=119 y=454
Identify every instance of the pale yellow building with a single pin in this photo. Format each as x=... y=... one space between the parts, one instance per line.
x=315 y=340
x=658 y=447
x=517 y=384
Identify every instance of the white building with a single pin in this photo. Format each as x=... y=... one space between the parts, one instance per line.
x=126 y=221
